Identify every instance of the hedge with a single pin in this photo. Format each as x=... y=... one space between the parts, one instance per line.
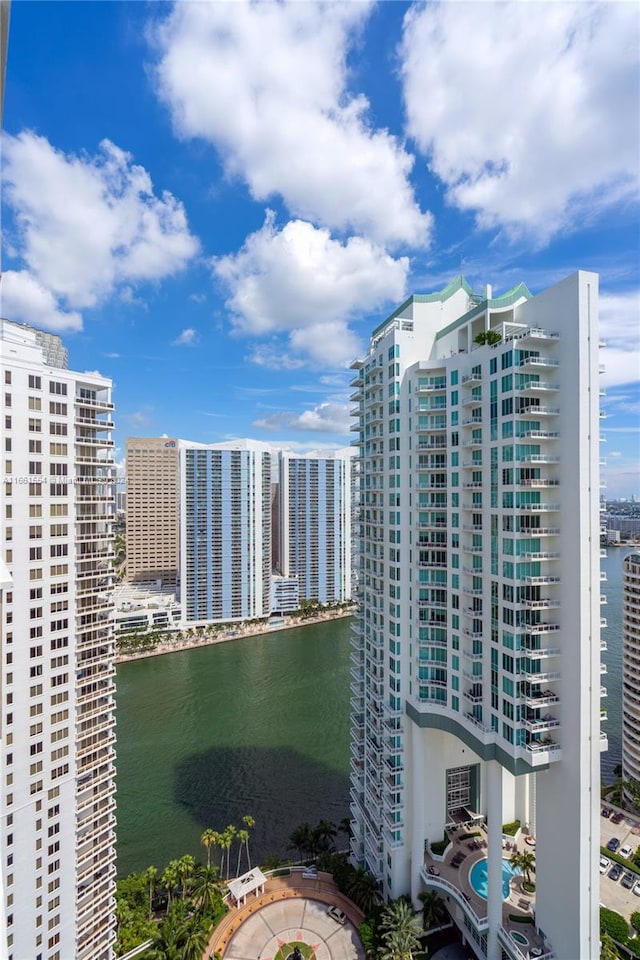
x=613 y=924
x=627 y=864
x=510 y=829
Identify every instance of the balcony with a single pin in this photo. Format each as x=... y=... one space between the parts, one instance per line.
x=94 y=403
x=538 y=435
x=472 y=697
x=544 y=604
x=538 y=458
x=533 y=362
x=478 y=724
x=538 y=412
x=539 y=677
x=537 y=754
x=541 y=725
x=543 y=699
x=93 y=423
x=473 y=655
x=536 y=386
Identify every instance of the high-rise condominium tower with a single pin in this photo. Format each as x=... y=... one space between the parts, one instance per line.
x=631 y=670
x=57 y=751
x=153 y=508
x=225 y=531
x=476 y=696
x=315 y=525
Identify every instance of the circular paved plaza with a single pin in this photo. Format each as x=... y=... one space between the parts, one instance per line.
x=291 y=921
x=291 y=910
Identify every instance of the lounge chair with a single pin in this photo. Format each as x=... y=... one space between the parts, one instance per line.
x=433 y=871
x=523 y=904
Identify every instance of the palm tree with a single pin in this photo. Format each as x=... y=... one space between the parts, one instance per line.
x=301 y=839
x=186 y=866
x=401 y=931
x=324 y=835
x=166 y=941
x=249 y=823
x=363 y=889
x=433 y=910
x=526 y=861
x=207 y=840
x=194 y=936
x=151 y=875
x=206 y=889
x=243 y=838
x=170 y=879
x=345 y=827
x=226 y=841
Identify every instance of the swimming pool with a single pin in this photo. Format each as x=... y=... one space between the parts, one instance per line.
x=478 y=877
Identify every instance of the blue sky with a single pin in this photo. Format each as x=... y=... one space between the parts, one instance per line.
x=215 y=203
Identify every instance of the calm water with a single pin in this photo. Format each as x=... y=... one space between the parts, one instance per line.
x=258 y=726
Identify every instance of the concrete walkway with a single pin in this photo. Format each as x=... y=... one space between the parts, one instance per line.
x=290 y=909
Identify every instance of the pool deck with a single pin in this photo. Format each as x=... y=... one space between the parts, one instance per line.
x=518 y=903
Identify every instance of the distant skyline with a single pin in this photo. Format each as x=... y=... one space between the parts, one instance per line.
x=214 y=203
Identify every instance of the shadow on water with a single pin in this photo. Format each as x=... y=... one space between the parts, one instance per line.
x=279 y=787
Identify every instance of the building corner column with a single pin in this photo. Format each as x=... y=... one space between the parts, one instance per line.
x=494 y=857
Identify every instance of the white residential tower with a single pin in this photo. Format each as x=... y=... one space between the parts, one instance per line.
x=477 y=684
x=57 y=805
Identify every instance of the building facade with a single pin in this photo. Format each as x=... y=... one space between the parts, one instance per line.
x=57 y=812
x=477 y=678
x=225 y=509
x=153 y=505
x=631 y=670
x=315 y=525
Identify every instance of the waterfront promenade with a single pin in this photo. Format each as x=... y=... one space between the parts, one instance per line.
x=232 y=632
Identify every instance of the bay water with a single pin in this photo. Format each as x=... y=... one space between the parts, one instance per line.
x=260 y=726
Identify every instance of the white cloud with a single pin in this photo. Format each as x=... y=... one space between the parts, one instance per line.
x=188 y=338
x=620 y=330
x=27 y=301
x=300 y=280
x=139 y=419
x=85 y=226
x=528 y=112
x=266 y=84
x=274 y=356
x=325 y=418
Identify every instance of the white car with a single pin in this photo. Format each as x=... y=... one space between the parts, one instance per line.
x=605 y=863
x=337 y=915
x=625 y=851
x=636 y=889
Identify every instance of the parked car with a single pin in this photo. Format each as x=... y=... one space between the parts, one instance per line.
x=613 y=844
x=628 y=881
x=605 y=863
x=616 y=872
x=338 y=915
x=606 y=812
x=636 y=889
x=310 y=873
x=626 y=851
x=617 y=817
